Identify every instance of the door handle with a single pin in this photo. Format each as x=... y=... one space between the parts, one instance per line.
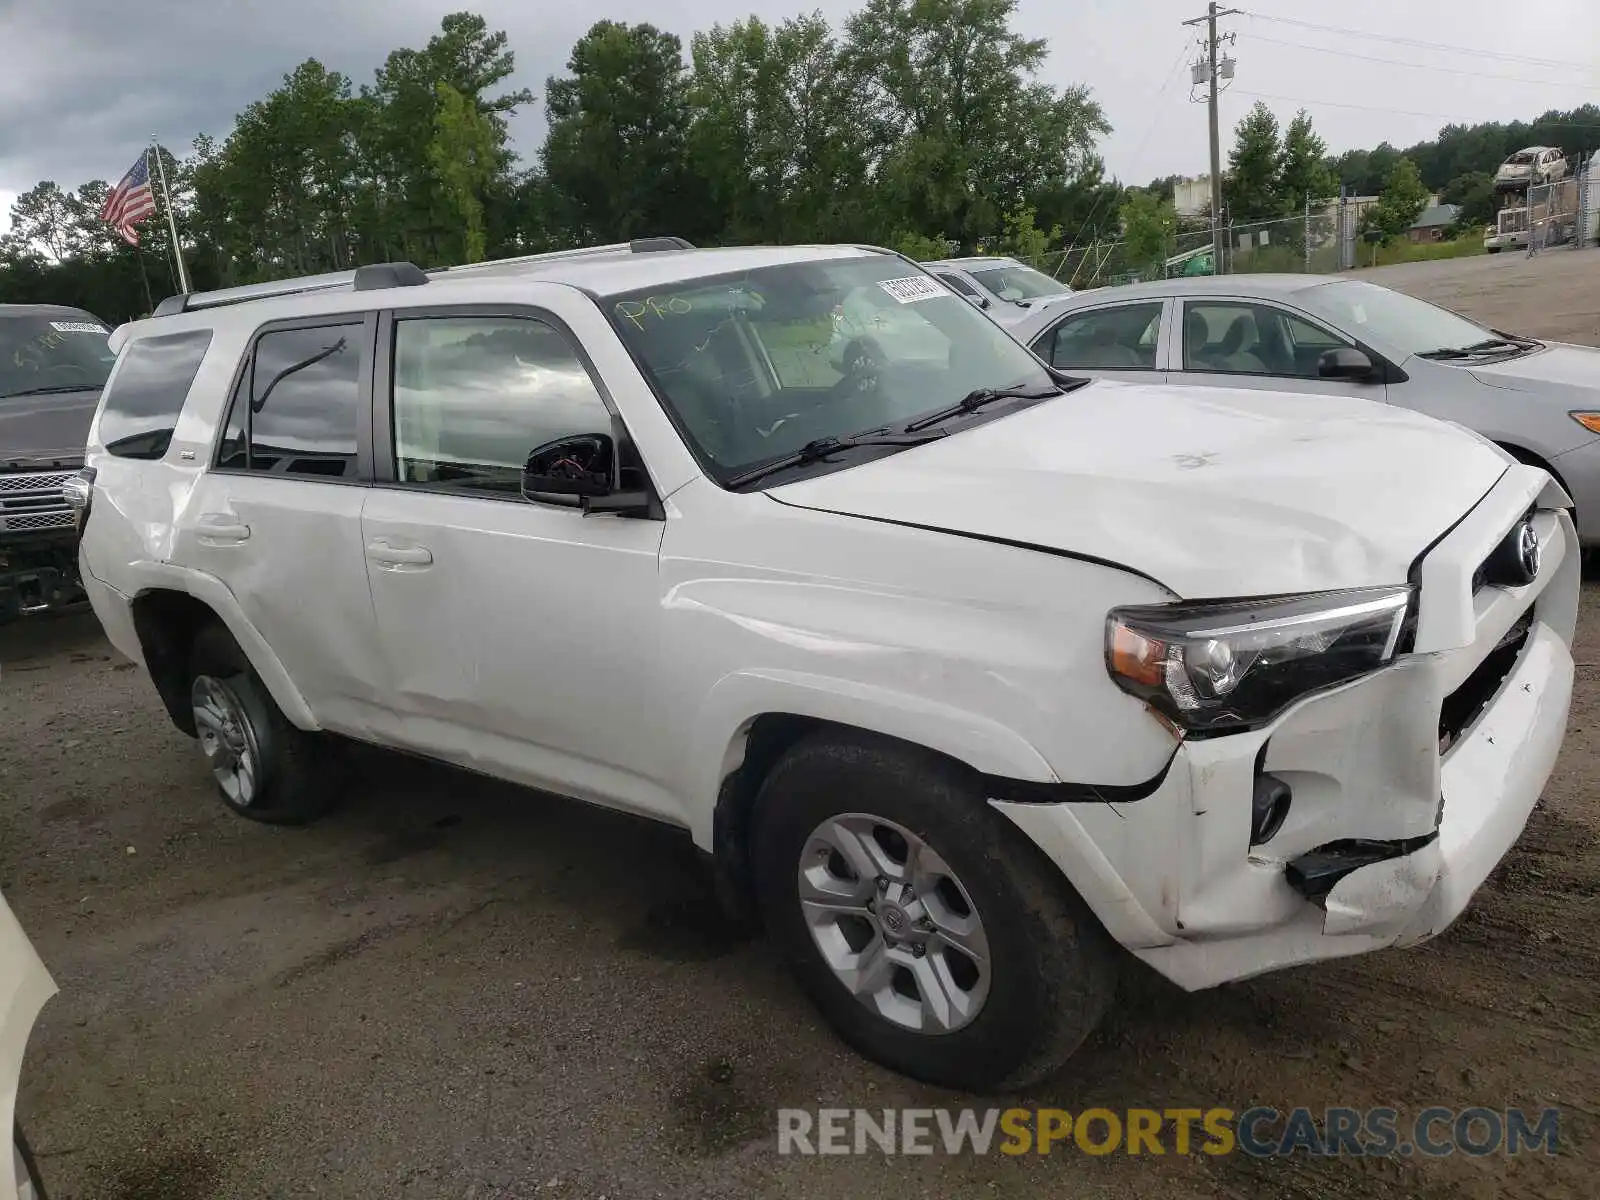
x=222 y=527
x=388 y=555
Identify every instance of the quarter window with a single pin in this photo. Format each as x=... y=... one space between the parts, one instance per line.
x=474 y=395
x=148 y=391
x=1120 y=338
x=297 y=407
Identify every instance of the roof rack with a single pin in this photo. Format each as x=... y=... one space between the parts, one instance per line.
x=376 y=276
x=650 y=245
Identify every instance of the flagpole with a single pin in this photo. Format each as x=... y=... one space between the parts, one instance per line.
x=172 y=220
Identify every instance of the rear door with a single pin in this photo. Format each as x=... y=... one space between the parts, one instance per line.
x=1114 y=341
x=1247 y=343
x=277 y=518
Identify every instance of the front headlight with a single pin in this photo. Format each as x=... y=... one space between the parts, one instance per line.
x=1215 y=667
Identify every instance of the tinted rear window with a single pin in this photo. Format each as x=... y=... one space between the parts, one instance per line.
x=142 y=407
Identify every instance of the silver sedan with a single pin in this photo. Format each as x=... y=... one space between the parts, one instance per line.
x=1327 y=334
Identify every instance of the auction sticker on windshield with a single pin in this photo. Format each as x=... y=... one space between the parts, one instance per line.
x=77 y=327
x=913 y=288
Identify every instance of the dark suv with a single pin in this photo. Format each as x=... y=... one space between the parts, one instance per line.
x=53 y=363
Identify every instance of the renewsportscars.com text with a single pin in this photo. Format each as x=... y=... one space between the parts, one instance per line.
x=1260 y=1132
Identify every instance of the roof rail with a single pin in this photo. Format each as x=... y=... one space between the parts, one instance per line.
x=651 y=245
x=376 y=276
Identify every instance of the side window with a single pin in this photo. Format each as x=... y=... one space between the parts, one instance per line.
x=1120 y=338
x=297 y=406
x=473 y=395
x=959 y=284
x=148 y=391
x=1237 y=338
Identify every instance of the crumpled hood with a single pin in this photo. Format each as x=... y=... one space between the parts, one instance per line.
x=1559 y=366
x=25 y=985
x=46 y=429
x=1210 y=491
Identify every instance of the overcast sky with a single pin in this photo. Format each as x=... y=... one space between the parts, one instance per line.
x=87 y=82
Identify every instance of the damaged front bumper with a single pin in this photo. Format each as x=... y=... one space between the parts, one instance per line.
x=1396 y=795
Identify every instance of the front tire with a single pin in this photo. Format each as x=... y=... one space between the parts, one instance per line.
x=933 y=935
x=264 y=767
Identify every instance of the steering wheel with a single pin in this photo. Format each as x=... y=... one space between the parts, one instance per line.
x=863 y=362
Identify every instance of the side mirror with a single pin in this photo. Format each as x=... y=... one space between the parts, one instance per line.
x=1345 y=363
x=581 y=467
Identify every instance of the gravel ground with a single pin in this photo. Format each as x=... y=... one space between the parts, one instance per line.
x=452 y=988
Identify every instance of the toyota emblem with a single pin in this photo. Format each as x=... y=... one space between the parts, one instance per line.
x=1528 y=551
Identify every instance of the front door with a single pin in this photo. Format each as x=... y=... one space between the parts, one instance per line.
x=521 y=636
x=1259 y=346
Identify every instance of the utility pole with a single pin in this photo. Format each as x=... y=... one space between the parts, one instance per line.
x=1209 y=68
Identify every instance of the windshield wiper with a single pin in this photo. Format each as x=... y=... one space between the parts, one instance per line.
x=52 y=389
x=1501 y=342
x=976 y=399
x=821 y=448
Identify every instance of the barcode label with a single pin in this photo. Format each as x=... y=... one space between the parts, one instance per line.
x=78 y=327
x=913 y=288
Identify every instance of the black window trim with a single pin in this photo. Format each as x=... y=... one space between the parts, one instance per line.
x=380 y=413
x=956 y=281
x=1388 y=372
x=368 y=320
x=1054 y=328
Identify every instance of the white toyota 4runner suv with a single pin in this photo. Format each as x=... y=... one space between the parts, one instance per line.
x=965 y=672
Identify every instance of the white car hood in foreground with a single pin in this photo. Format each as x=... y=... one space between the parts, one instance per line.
x=24 y=987
x=1212 y=492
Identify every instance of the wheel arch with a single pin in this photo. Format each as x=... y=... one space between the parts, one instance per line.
x=167 y=619
x=750 y=721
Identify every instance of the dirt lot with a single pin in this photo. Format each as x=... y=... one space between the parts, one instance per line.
x=454 y=989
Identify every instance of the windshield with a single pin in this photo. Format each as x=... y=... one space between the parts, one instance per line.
x=1402 y=321
x=55 y=353
x=1017 y=282
x=756 y=365
x=1521 y=159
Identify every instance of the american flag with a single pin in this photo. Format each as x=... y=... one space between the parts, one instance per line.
x=131 y=201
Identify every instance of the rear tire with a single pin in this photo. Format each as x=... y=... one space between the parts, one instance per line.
x=935 y=938
x=264 y=768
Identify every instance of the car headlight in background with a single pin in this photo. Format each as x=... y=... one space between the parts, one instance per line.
x=1216 y=667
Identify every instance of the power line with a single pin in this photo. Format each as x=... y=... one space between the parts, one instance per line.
x=1451 y=118
x=1565 y=85
x=1586 y=68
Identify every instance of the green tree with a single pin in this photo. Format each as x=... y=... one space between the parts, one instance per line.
x=616 y=151
x=1475 y=194
x=1023 y=239
x=1250 y=189
x=1302 y=166
x=465 y=156
x=1401 y=202
x=961 y=132
x=774 y=136
x=1149 y=224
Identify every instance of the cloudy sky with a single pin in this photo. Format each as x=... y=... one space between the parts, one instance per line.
x=88 y=81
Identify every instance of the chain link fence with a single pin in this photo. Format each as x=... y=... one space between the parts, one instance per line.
x=1319 y=240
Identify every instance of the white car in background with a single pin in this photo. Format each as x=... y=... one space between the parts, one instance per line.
x=25 y=985
x=1009 y=291
x=1531 y=167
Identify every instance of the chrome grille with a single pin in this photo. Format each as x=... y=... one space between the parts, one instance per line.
x=55 y=480
x=31 y=503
